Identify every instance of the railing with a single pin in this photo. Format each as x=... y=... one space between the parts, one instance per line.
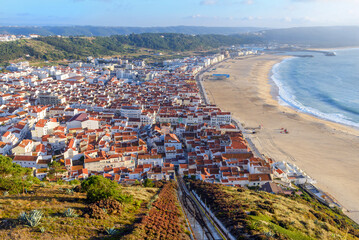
x=214 y=219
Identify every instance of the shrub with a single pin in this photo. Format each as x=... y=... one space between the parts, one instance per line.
x=111 y=231
x=269 y=234
x=69 y=191
x=112 y=206
x=148 y=183
x=70 y=212
x=33 y=180
x=74 y=182
x=101 y=208
x=95 y=211
x=99 y=188
x=31 y=218
x=137 y=204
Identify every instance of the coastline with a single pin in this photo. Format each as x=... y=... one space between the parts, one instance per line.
x=342 y=124
x=327 y=151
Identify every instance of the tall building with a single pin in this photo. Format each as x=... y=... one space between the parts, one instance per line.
x=49 y=99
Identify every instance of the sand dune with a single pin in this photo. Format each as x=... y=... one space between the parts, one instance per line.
x=328 y=152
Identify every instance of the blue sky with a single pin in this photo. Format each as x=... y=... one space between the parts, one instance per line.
x=241 y=13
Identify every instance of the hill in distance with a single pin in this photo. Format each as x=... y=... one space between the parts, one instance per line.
x=346 y=36
x=57 y=48
x=108 y=31
x=339 y=36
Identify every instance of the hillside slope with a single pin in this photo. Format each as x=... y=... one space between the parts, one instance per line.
x=260 y=215
x=56 y=48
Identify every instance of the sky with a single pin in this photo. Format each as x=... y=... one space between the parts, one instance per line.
x=151 y=13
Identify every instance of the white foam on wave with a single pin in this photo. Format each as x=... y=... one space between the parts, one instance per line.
x=287 y=98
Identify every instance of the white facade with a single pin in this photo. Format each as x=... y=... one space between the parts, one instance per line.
x=155 y=160
x=90 y=124
x=131 y=112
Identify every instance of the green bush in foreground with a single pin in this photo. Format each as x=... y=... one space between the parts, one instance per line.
x=99 y=188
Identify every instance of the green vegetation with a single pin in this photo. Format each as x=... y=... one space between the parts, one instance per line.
x=55 y=169
x=58 y=222
x=53 y=211
x=262 y=215
x=59 y=48
x=100 y=188
x=111 y=231
x=148 y=183
x=31 y=218
x=70 y=212
x=14 y=178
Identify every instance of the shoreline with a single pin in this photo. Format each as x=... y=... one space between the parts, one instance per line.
x=275 y=93
x=325 y=150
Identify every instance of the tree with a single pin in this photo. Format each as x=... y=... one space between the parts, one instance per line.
x=8 y=168
x=55 y=168
x=99 y=188
x=13 y=177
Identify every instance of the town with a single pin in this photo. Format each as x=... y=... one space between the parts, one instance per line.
x=129 y=121
x=11 y=37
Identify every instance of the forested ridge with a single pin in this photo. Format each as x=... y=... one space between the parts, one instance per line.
x=56 y=48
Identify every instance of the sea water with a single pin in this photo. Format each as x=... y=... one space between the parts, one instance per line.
x=323 y=86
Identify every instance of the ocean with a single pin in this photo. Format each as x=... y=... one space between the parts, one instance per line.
x=324 y=86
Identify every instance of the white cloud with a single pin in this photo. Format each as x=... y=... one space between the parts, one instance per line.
x=248 y=2
x=226 y=2
x=196 y=16
x=209 y=2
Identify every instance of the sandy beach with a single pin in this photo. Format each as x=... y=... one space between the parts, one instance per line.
x=327 y=151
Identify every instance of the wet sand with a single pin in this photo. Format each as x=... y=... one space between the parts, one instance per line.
x=327 y=151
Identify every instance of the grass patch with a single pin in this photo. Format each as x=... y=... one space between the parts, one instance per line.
x=53 y=201
x=258 y=213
